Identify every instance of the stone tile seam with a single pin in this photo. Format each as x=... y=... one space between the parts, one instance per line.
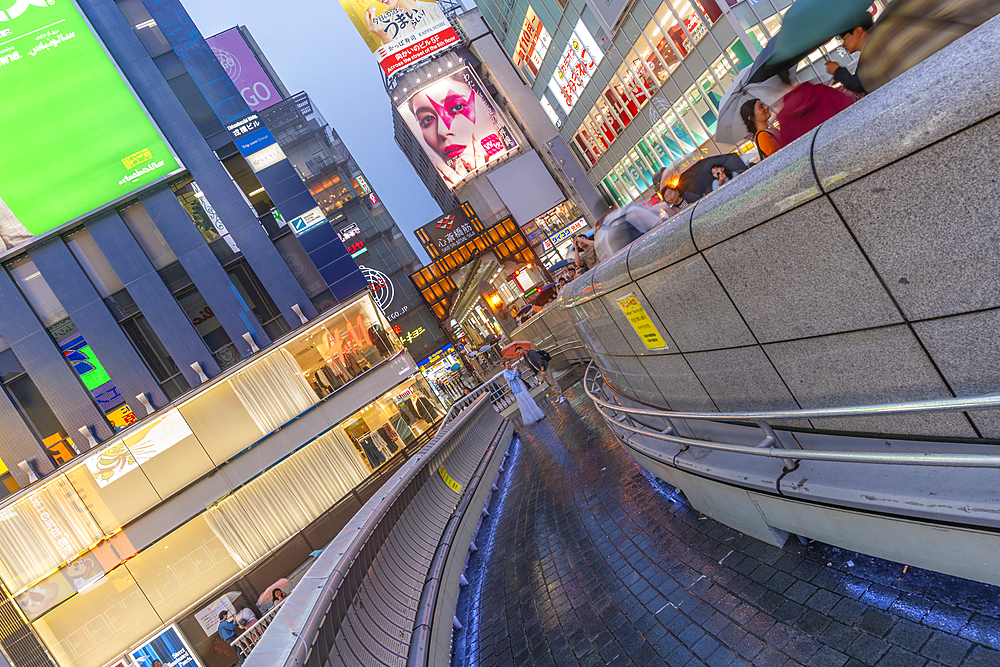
x=747 y=325
x=878 y=275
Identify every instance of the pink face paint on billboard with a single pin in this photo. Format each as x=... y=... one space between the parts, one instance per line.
x=244 y=69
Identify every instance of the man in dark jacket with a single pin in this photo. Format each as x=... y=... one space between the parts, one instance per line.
x=540 y=366
x=854 y=41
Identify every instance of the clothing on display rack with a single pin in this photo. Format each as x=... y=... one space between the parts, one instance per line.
x=353 y=363
x=409 y=412
x=403 y=429
x=330 y=378
x=375 y=457
x=426 y=410
x=371 y=355
x=376 y=333
x=390 y=436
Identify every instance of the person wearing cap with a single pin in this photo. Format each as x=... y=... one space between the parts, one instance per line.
x=854 y=41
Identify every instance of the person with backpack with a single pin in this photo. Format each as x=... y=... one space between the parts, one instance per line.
x=539 y=362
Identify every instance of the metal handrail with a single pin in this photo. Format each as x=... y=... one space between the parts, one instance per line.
x=771 y=447
x=483 y=388
x=299 y=634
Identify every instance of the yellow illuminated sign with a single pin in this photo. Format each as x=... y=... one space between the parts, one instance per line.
x=640 y=321
x=452 y=484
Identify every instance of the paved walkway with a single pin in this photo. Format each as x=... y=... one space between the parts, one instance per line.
x=586 y=560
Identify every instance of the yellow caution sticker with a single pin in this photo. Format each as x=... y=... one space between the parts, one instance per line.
x=455 y=486
x=640 y=321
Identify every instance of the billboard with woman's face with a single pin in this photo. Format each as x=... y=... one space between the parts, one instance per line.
x=458 y=126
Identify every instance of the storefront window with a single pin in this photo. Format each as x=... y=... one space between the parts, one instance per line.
x=344 y=347
x=392 y=421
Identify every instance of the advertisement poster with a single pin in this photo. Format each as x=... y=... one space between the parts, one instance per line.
x=400 y=32
x=576 y=66
x=458 y=125
x=59 y=88
x=244 y=70
x=208 y=618
x=167 y=649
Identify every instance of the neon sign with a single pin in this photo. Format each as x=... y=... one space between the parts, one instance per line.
x=356 y=248
x=413 y=335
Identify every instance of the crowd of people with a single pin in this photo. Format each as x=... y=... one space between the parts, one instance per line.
x=804 y=107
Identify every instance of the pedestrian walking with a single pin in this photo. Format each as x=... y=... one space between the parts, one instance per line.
x=540 y=364
x=530 y=412
x=756 y=115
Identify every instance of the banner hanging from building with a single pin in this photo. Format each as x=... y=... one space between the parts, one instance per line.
x=60 y=88
x=458 y=125
x=400 y=32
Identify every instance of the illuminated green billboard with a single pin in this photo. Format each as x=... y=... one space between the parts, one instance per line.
x=73 y=135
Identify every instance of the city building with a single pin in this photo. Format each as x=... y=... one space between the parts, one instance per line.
x=532 y=177
x=200 y=387
x=513 y=193
x=634 y=87
x=336 y=182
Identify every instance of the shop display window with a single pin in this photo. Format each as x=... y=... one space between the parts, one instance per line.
x=181 y=568
x=344 y=346
x=392 y=421
x=93 y=627
x=655 y=54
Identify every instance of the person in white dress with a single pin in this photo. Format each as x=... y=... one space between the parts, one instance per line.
x=530 y=412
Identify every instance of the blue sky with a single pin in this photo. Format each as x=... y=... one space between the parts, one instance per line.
x=314 y=47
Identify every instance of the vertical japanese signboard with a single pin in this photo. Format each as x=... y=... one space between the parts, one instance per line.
x=577 y=65
x=59 y=89
x=400 y=32
x=532 y=45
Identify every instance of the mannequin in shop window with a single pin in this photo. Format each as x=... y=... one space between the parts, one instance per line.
x=380 y=339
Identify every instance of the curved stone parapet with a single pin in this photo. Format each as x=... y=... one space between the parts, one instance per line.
x=858 y=265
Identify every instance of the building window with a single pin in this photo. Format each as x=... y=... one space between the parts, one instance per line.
x=94 y=263
x=258 y=300
x=208 y=326
x=35 y=411
x=148 y=236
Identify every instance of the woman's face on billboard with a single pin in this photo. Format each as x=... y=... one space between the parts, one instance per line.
x=446 y=114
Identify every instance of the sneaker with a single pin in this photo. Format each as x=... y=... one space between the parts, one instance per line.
x=561 y=399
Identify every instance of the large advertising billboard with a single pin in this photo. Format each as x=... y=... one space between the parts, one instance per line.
x=243 y=68
x=74 y=135
x=458 y=125
x=400 y=32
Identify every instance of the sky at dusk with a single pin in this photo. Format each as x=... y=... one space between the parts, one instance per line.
x=314 y=47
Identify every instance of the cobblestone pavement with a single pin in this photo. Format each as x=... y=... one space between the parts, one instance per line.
x=587 y=560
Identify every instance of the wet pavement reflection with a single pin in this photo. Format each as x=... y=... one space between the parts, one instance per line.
x=587 y=559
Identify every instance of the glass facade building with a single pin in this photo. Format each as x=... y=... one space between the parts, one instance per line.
x=352 y=206
x=180 y=351
x=637 y=98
